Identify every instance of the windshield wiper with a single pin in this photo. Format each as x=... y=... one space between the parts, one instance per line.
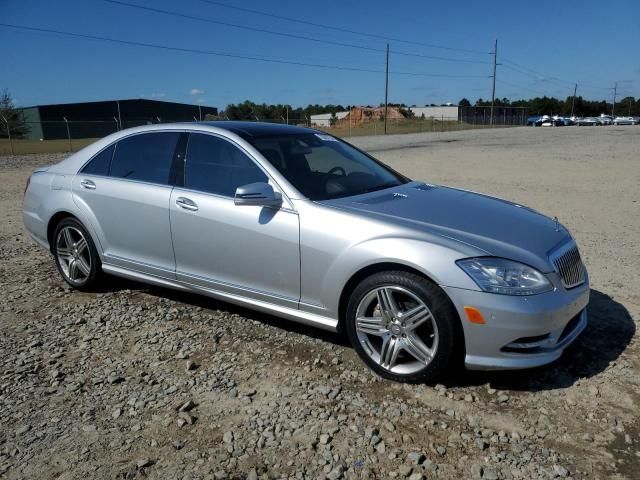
x=381 y=187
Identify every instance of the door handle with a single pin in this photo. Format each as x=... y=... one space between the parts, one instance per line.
x=88 y=184
x=187 y=204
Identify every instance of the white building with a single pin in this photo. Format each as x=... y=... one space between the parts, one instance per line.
x=324 y=119
x=438 y=113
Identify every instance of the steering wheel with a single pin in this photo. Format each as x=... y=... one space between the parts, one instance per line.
x=326 y=179
x=335 y=170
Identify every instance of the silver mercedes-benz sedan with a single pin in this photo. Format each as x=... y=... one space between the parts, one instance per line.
x=297 y=223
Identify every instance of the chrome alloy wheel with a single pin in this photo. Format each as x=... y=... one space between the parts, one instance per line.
x=73 y=254
x=396 y=329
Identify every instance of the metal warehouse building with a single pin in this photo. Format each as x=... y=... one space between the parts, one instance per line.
x=97 y=119
x=501 y=115
x=447 y=112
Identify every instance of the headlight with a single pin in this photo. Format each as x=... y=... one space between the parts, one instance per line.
x=506 y=277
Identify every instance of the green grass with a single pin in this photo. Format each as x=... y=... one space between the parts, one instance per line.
x=21 y=147
x=398 y=127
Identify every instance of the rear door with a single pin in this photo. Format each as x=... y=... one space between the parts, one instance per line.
x=126 y=190
x=250 y=251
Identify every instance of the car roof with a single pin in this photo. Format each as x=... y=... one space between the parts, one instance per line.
x=257 y=129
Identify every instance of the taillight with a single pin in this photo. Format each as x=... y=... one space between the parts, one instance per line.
x=27 y=185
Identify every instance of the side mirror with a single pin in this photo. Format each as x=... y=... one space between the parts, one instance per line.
x=260 y=194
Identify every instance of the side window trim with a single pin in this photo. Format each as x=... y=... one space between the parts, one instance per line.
x=176 y=175
x=239 y=147
x=184 y=135
x=86 y=164
x=115 y=147
x=169 y=182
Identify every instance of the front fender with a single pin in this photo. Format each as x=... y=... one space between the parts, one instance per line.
x=436 y=262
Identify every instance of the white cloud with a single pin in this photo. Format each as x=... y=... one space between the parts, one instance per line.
x=153 y=95
x=196 y=91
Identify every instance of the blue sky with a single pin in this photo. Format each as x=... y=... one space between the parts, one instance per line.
x=544 y=47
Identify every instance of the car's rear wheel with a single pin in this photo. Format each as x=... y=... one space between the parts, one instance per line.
x=75 y=255
x=403 y=326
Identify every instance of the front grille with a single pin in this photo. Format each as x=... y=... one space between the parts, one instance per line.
x=570 y=267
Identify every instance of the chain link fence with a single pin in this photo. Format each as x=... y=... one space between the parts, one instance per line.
x=71 y=136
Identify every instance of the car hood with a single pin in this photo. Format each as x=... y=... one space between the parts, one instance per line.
x=494 y=226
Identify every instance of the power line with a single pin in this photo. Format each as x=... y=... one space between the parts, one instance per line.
x=510 y=64
x=226 y=54
x=243 y=27
x=340 y=29
x=522 y=87
x=547 y=78
x=530 y=72
x=444 y=59
x=281 y=34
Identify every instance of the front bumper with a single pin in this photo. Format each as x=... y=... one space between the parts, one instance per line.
x=520 y=332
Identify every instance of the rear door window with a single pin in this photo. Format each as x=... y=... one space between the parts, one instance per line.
x=99 y=165
x=146 y=157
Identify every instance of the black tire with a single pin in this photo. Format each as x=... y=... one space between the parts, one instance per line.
x=450 y=339
x=94 y=276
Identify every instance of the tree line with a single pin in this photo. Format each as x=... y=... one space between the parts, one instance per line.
x=11 y=121
x=627 y=106
x=249 y=110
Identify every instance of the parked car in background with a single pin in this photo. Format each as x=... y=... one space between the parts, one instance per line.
x=625 y=121
x=588 y=122
x=531 y=121
x=302 y=225
x=546 y=121
x=605 y=120
x=555 y=121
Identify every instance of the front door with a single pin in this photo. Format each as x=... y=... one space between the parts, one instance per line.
x=249 y=251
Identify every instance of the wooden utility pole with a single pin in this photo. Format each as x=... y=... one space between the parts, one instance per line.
x=493 y=91
x=573 y=100
x=613 y=106
x=386 y=89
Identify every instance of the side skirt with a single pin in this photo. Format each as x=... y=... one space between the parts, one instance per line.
x=300 y=316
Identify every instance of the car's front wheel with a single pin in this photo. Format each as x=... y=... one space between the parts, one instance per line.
x=403 y=326
x=75 y=255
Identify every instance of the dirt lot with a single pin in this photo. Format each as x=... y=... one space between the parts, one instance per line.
x=137 y=381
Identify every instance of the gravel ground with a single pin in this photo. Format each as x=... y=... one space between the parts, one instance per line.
x=138 y=382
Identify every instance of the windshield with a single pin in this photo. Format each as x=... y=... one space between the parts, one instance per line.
x=322 y=167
